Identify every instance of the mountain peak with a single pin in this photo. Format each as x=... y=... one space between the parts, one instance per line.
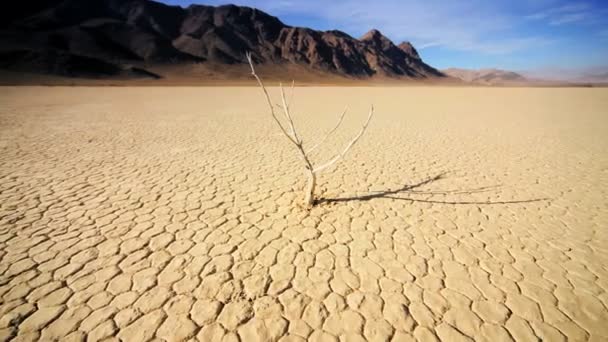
x=409 y=49
x=373 y=34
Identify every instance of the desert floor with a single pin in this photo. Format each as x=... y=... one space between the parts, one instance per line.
x=172 y=213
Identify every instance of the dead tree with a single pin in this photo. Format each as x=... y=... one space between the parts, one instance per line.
x=290 y=132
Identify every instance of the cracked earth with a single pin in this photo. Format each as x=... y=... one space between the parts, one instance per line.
x=172 y=214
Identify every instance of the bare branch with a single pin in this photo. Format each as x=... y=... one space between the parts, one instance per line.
x=293 y=139
x=274 y=116
x=294 y=134
x=293 y=86
x=330 y=132
x=350 y=144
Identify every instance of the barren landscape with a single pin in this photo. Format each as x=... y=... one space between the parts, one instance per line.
x=171 y=213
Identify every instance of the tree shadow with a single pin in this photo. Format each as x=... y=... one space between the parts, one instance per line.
x=410 y=189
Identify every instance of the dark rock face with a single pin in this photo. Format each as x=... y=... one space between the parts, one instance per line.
x=125 y=31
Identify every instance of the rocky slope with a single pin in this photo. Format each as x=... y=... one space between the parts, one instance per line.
x=109 y=37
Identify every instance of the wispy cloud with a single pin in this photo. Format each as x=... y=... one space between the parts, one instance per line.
x=565 y=14
x=428 y=45
x=507 y=46
x=569 y=18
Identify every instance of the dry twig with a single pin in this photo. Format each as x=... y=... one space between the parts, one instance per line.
x=291 y=133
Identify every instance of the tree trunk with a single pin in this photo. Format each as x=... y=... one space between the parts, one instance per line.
x=310 y=189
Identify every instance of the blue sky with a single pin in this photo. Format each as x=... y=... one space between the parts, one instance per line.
x=534 y=35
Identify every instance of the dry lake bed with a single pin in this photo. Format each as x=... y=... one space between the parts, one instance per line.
x=172 y=214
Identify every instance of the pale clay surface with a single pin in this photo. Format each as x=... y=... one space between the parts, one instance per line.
x=171 y=214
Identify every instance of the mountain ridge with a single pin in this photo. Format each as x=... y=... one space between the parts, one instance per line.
x=145 y=33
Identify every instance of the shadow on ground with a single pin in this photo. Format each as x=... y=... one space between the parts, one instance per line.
x=411 y=190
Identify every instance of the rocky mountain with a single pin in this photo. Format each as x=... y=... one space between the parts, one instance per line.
x=485 y=76
x=124 y=37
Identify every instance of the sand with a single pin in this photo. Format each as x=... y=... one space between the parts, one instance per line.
x=171 y=214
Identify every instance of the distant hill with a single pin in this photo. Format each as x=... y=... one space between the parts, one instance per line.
x=143 y=38
x=486 y=76
x=600 y=77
